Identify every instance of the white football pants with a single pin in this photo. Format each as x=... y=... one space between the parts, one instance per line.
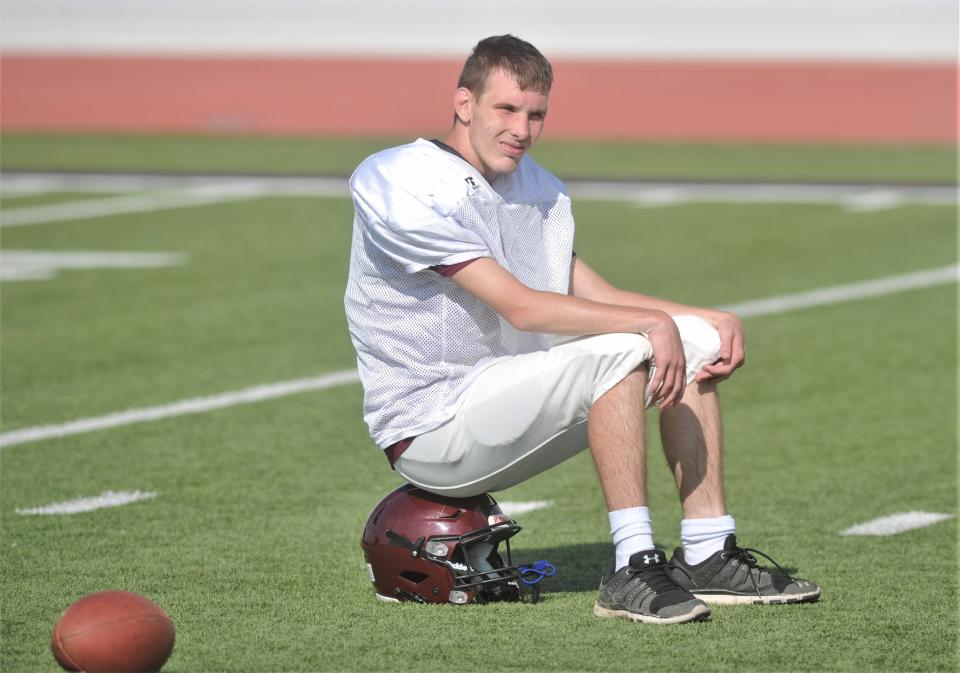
x=528 y=413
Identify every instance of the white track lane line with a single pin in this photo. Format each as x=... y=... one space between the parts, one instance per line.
x=276 y=185
x=900 y=522
x=90 y=504
x=201 y=195
x=644 y=193
x=769 y=306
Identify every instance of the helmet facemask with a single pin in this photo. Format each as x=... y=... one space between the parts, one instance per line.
x=479 y=572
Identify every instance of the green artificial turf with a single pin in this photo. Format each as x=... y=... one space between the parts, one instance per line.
x=567 y=158
x=843 y=413
x=260 y=294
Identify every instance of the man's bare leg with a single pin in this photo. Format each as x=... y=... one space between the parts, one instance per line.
x=615 y=432
x=639 y=589
x=693 y=444
x=692 y=436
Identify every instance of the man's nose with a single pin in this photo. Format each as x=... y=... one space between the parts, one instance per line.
x=520 y=128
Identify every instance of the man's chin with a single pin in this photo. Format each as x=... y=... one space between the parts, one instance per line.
x=509 y=165
x=502 y=165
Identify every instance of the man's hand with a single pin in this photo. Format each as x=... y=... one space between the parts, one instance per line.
x=732 y=349
x=670 y=373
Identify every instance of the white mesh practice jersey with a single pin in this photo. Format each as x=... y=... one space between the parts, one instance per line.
x=420 y=338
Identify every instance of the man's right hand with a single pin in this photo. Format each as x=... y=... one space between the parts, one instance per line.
x=670 y=372
x=530 y=310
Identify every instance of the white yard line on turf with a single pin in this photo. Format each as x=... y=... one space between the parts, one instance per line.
x=90 y=504
x=195 y=405
x=511 y=508
x=16 y=265
x=198 y=195
x=841 y=293
x=769 y=306
x=896 y=523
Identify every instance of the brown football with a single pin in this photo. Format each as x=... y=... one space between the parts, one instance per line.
x=113 y=632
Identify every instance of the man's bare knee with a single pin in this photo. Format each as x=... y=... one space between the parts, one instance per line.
x=632 y=385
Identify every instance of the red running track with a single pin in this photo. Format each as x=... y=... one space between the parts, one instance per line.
x=727 y=101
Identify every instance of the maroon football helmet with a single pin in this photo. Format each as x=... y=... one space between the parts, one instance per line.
x=429 y=548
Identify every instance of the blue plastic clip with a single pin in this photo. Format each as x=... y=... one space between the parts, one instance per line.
x=531 y=575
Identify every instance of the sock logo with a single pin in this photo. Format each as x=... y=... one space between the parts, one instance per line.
x=654 y=559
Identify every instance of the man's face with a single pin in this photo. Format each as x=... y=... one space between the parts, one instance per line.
x=502 y=123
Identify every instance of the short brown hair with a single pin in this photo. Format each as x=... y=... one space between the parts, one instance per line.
x=512 y=55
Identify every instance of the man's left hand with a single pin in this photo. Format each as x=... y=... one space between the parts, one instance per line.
x=732 y=349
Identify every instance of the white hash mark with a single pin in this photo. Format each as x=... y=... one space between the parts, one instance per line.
x=91 y=503
x=896 y=523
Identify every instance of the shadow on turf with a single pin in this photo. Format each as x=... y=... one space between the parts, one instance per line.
x=580 y=566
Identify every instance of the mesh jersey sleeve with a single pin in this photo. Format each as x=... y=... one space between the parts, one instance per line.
x=410 y=229
x=448 y=270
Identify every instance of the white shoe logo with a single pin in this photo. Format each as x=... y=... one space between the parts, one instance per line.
x=654 y=559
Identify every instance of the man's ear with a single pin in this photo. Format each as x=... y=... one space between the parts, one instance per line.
x=462 y=99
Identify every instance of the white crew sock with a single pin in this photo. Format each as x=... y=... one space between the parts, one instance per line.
x=632 y=532
x=702 y=538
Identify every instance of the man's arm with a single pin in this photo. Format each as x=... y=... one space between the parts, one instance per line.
x=588 y=284
x=532 y=310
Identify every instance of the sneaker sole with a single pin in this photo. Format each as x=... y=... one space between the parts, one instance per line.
x=781 y=599
x=699 y=613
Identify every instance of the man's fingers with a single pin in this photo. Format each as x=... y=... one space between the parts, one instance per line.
x=718 y=371
x=732 y=344
x=727 y=338
x=655 y=386
x=717 y=378
x=732 y=353
x=678 y=387
x=720 y=367
x=663 y=395
x=672 y=389
x=706 y=374
x=658 y=386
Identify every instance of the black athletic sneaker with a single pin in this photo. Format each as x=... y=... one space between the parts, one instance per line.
x=732 y=576
x=642 y=591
